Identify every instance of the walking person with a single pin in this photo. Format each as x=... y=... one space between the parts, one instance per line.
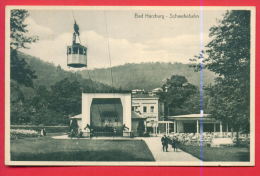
x=174 y=144
x=164 y=141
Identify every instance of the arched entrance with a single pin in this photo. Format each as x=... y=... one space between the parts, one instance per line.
x=106 y=116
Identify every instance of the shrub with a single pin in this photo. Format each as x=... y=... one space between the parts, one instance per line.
x=205 y=139
x=22 y=133
x=49 y=129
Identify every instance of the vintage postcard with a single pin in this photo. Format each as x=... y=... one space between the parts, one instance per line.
x=134 y=86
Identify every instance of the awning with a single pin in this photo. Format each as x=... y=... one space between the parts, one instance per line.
x=191 y=117
x=76 y=117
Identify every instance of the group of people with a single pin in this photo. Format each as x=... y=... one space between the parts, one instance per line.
x=166 y=140
x=76 y=133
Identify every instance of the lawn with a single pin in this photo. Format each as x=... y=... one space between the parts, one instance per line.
x=48 y=149
x=218 y=153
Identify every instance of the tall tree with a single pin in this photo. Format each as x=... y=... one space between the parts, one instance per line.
x=21 y=73
x=19 y=32
x=176 y=91
x=228 y=55
x=19 y=38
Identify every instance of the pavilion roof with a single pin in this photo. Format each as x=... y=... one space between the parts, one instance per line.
x=191 y=117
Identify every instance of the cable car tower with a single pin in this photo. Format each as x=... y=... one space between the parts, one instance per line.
x=76 y=53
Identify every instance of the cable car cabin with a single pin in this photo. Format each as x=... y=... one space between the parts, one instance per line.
x=77 y=56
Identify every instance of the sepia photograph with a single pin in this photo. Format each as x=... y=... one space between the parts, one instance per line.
x=130 y=86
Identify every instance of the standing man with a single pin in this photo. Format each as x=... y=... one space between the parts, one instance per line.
x=174 y=144
x=164 y=141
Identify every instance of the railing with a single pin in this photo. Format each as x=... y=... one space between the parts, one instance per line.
x=106 y=133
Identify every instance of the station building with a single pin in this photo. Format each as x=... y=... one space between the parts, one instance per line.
x=121 y=114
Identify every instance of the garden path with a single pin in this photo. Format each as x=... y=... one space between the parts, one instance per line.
x=155 y=146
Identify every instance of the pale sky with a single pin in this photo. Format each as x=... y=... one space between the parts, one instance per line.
x=131 y=39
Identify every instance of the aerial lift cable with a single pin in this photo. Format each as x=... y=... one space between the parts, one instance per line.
x=109 y=56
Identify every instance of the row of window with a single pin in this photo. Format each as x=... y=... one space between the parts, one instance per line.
x=144 y=109
x=77 y=50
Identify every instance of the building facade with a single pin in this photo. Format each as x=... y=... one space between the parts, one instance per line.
x=149 y=108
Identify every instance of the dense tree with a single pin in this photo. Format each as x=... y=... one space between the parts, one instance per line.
x=176 y=91
x=228 y=55
x=21 y=74
x=66 y=97
x=19 y=38
x=18 y=30
x=20 y=113
x=145 y=75
x=39 y=103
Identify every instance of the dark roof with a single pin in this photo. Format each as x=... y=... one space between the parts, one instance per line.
x=143 y=96
x=106 y=101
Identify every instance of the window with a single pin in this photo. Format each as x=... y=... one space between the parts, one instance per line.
x=75 y=50
x=144 y=109
x=80 y=50
x=133 y=108
x=152 y=109
x=69 y=50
